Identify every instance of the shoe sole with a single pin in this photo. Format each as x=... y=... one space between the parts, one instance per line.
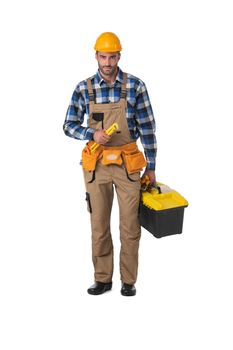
x=128 y=294
x=107 y=289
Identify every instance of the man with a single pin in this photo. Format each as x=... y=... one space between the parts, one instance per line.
x=111 y=96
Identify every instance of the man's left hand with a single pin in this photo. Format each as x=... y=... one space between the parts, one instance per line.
x=151 y=174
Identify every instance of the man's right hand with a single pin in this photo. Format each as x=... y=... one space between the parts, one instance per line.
x=101 y=137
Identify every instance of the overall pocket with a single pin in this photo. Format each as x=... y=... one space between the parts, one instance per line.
x=88 y=199
x=89 y=176
x=97 y=120
x=134 y=177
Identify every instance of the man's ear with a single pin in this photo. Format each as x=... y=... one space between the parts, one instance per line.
x=96 y=55
x=119 y=55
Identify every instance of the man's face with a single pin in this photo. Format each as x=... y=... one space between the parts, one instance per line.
x=108 y=62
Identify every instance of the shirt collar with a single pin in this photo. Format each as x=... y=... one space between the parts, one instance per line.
x=119 y=77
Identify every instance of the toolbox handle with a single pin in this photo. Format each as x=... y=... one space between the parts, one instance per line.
x=157 y=187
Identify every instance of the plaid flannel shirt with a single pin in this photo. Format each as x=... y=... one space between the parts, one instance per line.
x=141 y=122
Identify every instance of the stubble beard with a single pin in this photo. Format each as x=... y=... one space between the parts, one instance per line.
x=110 y=72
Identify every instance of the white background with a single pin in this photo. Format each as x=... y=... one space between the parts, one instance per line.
x=183 y=52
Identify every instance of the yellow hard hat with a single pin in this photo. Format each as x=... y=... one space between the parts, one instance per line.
x=108 y=42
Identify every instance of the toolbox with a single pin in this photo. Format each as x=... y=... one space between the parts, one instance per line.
x=161 y=211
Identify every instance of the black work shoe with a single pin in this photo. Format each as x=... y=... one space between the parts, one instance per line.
x=99 y=288
x=128 y=290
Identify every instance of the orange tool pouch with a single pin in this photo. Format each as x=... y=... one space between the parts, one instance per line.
x=134 y=162
x=89 y=159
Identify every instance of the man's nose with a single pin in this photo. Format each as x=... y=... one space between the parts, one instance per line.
x=108 y=61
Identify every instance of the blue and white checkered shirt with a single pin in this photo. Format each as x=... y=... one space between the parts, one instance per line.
x=141 y=122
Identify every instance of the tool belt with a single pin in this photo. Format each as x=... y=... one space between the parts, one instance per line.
x=133 y=159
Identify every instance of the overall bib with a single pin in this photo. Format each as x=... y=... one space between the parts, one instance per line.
x=100 y=184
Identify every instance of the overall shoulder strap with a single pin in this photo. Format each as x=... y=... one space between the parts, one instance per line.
x=90 y=90
x=123 y=86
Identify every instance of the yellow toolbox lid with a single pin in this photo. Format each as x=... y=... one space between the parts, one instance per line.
x=167 y=199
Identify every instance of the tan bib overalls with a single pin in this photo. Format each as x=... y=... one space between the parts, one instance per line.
x=99 y=186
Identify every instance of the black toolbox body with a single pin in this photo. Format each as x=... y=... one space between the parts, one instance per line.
x=163 y=222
